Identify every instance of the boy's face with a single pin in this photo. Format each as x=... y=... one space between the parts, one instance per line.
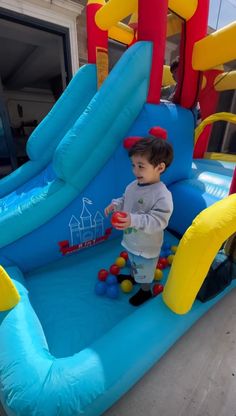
x=144 y=171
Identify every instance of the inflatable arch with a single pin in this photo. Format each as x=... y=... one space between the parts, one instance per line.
x=223 y=116
x=215 y=224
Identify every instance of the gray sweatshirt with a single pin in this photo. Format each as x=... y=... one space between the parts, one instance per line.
x=150 y=208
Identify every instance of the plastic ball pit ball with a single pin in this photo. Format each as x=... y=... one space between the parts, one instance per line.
x=126 y=286
x=124 y=254
x=157 y=288
x=158 y=274
x=114 y=269
x=120 y=262
x=115 y=218
x=111 y=280
x=112 y=291
x=100 y=288
x=102 y=274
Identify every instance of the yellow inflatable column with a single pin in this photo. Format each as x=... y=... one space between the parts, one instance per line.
x=196 y=252
x=184 y=9
x=121 y=33
x=225 y=81
x=167 y=78
x=215 y=49
x=9 y=295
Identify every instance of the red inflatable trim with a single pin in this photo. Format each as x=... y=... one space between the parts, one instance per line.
x=208 y=104
x=233 y=184
x=152 y=26
x=189 y=81
x=95 y=36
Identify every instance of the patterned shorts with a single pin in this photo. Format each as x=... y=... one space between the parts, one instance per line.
x=142 y=269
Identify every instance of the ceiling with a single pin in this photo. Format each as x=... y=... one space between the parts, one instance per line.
x=30 y=58
x=83 y=2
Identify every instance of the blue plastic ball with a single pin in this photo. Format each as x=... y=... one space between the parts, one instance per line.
x=100 y=288
x=165 y=253
x=165 y=246
x=112 y=291
x=111 y=280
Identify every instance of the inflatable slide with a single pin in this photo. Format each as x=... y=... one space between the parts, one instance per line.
x=48 y=134
x=66 y=349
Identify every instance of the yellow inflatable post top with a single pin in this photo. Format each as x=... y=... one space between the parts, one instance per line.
x=9 y=295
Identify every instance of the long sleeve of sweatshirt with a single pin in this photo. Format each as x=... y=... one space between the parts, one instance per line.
x=119 y=203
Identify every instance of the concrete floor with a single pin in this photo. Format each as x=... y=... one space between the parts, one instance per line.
x=197 y=377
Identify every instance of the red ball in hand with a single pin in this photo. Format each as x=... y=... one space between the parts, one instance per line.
x=115 y=218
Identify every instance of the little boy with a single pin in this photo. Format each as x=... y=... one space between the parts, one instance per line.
x=148 y=206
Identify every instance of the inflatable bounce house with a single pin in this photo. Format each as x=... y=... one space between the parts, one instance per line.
x=65 y=350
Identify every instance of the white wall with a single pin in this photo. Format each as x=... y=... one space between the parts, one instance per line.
x=35 y=105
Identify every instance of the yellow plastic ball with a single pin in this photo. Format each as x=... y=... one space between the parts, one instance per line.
x=120 y=262
x=158 y=274
x=126 y=286
x=170 y=258
x=174 y=249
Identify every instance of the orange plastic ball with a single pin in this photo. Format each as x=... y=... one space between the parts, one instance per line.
x=174 y=249
x=170 y=258
x=158 y=274
x=120 y=262
x=126 y=286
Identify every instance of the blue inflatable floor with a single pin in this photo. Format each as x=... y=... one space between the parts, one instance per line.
x=62 y=294
x=92 y=349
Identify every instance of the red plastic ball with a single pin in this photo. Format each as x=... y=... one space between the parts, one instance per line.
x=164 y=262
x=157 y=288
x=114 y=269
x=124 y=254
x=115 y=218
x=160 y=266
x=102 y=274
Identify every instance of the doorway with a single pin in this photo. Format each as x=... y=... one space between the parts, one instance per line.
x=35 y=68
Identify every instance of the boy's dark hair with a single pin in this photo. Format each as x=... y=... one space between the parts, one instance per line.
x=174 y=64
x=156 y=150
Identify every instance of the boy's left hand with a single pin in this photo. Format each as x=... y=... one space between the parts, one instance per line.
x=123 y=222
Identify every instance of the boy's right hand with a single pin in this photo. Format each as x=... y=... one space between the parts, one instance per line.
x=110 y=208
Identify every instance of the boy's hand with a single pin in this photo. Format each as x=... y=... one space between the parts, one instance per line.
x=124 y=222
x=110 y=208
